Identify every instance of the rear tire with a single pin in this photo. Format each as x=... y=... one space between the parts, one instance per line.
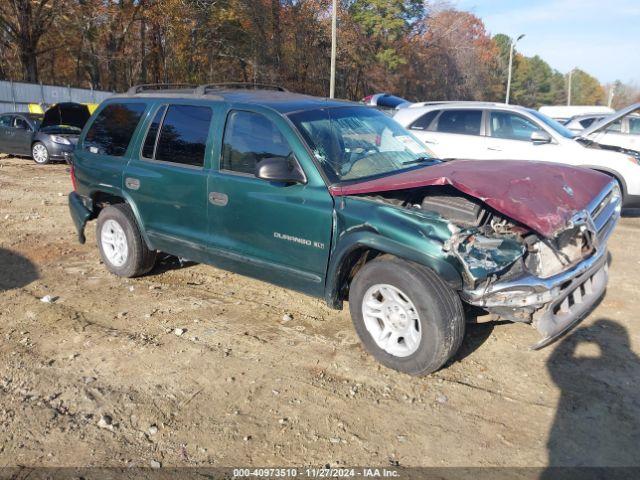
x=122 y=248
x=423 y=314
x=40 y=154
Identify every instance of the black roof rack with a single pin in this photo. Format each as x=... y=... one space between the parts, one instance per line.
x=211 y=87
x=159 y=86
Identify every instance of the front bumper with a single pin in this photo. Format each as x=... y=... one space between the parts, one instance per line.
x=59 y=152
x=555 y=304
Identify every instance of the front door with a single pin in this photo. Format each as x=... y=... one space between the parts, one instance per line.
x=510 y=139
x=22 y=136
x=167 y=180
x=274 y=231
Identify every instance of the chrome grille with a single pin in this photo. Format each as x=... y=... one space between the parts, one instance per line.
x=604 y=211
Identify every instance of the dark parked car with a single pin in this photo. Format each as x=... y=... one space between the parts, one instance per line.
x=337 y=200
x=47 y=137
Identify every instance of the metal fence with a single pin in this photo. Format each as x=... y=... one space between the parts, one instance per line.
x=16 y=96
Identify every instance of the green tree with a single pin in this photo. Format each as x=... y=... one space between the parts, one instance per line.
x=585 y=89
x=386 y=22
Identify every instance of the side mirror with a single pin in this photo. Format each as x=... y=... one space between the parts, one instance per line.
x=280 y=169
x=540 y=137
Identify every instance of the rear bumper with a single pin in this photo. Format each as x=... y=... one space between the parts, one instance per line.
x=80 y=214
x=555 y=304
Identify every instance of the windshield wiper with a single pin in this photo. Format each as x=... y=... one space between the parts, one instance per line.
x=419 y=160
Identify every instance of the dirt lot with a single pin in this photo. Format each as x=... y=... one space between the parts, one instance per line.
x=266 y=376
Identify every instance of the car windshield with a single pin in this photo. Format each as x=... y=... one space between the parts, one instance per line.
x=555 y=126
x=352 y=143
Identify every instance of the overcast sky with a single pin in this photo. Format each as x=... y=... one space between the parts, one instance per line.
x=599 y=36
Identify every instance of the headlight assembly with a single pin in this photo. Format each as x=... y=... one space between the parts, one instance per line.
x=60 y=140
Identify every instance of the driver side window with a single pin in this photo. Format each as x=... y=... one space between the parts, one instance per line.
x=250 y=137
x=510 y=126
x=21 y=124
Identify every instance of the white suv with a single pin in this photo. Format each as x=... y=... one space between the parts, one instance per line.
x=478 y=130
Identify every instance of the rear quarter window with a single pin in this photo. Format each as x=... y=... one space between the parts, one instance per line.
x=111 y=131
x=425 y=120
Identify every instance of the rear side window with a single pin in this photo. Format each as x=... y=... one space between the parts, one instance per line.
x=586 y=123
x=466 y=122
x=111 y=131
x=183 y=136
x=615 y=127
x=425 y=120
x=248 y=138
x=5 y=121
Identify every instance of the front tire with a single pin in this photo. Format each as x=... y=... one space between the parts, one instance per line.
x=122 y=248
x=39 y=153
x=405 y=315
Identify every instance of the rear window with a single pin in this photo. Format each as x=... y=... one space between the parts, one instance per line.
x=466 y=122
x=111 y=131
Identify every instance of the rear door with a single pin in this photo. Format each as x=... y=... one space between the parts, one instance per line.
x=167 y=180
x=274 y=231
x=104 y=148
x=456 y=133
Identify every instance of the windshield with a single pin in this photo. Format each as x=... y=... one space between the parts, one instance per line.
x=351 y=143
x=550 y=122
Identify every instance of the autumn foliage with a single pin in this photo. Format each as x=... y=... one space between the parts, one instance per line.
x=420 y=50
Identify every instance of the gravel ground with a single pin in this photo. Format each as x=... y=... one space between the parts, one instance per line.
x=191 y=365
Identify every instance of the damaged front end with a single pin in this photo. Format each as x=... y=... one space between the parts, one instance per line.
x=511 y=270
x=548 y=282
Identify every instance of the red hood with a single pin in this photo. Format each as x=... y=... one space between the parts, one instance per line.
x=543 y=196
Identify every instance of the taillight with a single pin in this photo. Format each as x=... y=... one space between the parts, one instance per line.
x=73 y=177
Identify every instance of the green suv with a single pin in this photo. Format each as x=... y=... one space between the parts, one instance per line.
x=336 y=200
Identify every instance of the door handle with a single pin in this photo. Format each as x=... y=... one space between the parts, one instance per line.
x=132 y=183
x=430 y=142
x=495 y=149
x=218 y=199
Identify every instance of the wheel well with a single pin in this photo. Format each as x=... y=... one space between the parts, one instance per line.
x=621 y=183
x=103 y=199
x=351 y=264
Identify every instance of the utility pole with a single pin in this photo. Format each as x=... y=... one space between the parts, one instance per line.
x=332 y=82
x=569 y=89
x=612 y=94
x=513 y=44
